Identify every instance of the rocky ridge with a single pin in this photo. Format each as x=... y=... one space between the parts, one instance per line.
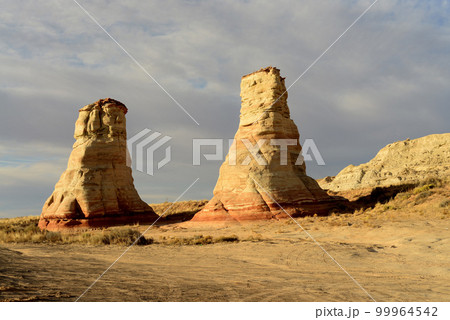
x=402 y=162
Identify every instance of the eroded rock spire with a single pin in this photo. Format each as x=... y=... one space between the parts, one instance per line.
x=260 y=174
x=97 y=188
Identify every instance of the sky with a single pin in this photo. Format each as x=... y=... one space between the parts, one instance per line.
x=386 y=79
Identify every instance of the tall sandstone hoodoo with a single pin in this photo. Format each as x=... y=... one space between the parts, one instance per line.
x=97 y=189
x=255 y=185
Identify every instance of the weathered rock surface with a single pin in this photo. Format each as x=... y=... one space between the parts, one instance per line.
x=401 y=162
x=97 y=188
x=252 y=188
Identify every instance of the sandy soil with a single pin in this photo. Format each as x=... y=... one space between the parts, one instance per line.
x=404 y=260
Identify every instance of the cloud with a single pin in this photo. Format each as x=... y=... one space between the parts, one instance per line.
x=386 y=79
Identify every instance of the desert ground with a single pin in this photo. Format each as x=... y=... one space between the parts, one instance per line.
x=397 y=250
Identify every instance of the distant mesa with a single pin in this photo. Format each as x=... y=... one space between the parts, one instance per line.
x=97 y=189
x=399 y=163
x=263 y=186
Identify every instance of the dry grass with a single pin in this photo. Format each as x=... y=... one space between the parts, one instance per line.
x=197 y=240
x=25 y=230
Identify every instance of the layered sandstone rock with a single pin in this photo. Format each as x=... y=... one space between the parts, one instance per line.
x=257 y=186
x=402 y=162
x=97 y=188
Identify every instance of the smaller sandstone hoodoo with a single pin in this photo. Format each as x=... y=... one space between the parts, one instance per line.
x=267 y=185
x=97 y=189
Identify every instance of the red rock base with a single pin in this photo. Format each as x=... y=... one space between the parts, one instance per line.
x=97 y=223
x=217 y=213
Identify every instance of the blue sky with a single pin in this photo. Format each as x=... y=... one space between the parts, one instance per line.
x=385 y=80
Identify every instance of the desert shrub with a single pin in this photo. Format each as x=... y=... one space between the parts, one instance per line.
x=423 y=188
x=445 y=203
x=31 y=228
x=195 y=240
x=402 y=196
x=432 y=181
x=199 y=240
x=424 y=194
x=422 y=197
x=388 y=207
x=124 y=237
x=87 y=237
x=38 y=238
x=52 y=236
x=232 y=238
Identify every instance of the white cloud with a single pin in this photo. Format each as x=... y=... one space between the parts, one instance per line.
x=385 y=80
x=36 y=173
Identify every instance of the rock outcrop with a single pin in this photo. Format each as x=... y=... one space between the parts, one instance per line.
x=255 y=185
x=402 y=162
x=97 y=188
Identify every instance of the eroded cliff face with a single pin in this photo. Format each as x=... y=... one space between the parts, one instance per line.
x=97 y=188
x=401 y=162
x=260 y=174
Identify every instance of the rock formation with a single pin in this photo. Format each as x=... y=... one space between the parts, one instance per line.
x=402 y=162
x=254 y=184
x=97 y=188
